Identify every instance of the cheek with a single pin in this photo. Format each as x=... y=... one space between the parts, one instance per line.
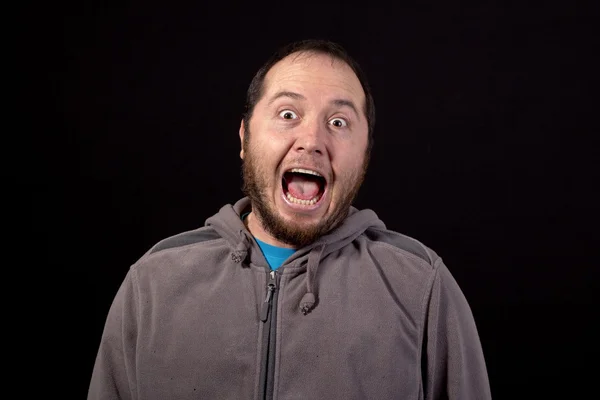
x=272 y=140
x=267 y=157
x=348 y=169
x=352 y=160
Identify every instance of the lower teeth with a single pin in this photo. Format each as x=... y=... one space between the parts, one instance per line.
x=310 y=202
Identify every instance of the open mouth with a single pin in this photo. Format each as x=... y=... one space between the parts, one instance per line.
x=303 y=186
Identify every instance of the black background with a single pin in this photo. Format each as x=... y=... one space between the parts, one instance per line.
x=484 y=151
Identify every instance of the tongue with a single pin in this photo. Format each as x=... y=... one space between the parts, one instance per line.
x=302 y=187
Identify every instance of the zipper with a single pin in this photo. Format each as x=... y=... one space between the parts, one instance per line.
x=267 y=304
x=268 y=318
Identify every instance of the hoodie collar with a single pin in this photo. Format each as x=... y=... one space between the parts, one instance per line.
x=228 y=223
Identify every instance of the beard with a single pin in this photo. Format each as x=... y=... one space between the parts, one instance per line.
x=295 y=234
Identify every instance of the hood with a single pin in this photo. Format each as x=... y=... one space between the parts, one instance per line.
x=228 y=223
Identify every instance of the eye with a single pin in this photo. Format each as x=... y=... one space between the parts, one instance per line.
x=288 y=114
x=339 y=122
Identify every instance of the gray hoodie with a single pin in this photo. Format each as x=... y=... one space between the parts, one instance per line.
x=362 y=313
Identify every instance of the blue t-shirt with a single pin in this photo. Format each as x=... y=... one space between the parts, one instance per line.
x=275 y=255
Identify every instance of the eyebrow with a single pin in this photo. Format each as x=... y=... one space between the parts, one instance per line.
x=293 y=95
x=298 y=96
x=346 y=103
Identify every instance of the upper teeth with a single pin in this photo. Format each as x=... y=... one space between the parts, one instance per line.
x=305 y=171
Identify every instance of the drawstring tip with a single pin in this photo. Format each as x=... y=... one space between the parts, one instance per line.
x=307 y=303
x=238 y=256
x=241 y=252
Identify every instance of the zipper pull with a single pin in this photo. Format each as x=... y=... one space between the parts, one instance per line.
x=266 y=306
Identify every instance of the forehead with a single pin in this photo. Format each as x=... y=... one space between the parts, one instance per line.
x=314 y=73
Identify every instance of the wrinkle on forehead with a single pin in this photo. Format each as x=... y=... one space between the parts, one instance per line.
x=305 y=68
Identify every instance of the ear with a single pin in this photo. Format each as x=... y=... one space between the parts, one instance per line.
x=242 y=132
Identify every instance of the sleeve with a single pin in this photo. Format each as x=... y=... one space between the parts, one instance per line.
x=454 y=363
x=113 y=376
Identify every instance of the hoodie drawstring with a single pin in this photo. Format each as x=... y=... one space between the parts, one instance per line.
x=308 y=300
x=241 y=251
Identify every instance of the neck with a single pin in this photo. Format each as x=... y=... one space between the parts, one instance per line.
x=255 y=227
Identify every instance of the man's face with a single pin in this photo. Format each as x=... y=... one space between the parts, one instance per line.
x=304 y=150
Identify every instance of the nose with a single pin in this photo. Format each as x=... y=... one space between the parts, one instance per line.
x=312 y=140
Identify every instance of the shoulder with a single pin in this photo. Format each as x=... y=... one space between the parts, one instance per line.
x=194 y=237
x=402 y=245
x=175 y=249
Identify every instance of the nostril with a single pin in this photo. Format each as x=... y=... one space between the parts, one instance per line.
x=310 y=149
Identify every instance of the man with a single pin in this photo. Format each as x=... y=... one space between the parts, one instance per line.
x=292 y=293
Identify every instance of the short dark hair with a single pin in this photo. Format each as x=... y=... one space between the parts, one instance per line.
x=255 y=90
